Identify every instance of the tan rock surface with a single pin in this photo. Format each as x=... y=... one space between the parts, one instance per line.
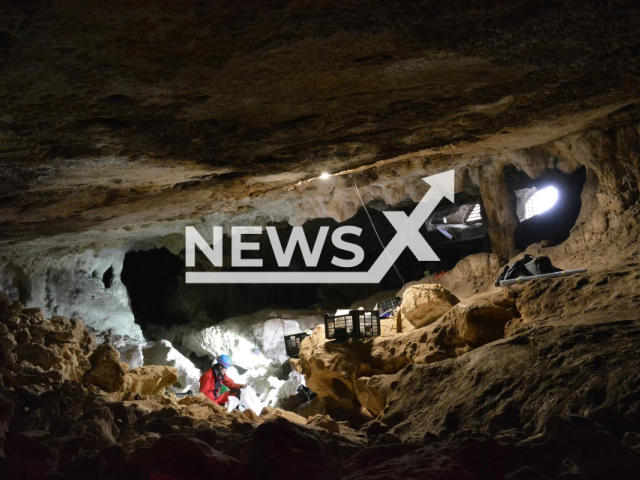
x=51 y=345
x=270 y=413
x=152 y=379
x=107 y=373
x=332 y=369
x=424 y=304
x=325 y=422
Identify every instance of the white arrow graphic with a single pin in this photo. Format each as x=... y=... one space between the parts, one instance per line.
x=407 y=235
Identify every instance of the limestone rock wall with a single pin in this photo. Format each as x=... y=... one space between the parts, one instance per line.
x=338 y=371
x=72 y=285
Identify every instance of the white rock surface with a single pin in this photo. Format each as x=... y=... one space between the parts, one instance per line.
x=254 y=342
x=163 y=353
x=72 y=286
x=132 y=354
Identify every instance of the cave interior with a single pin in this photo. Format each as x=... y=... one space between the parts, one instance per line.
x=514 y=124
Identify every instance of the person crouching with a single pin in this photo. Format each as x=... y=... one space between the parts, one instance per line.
x=215 y=377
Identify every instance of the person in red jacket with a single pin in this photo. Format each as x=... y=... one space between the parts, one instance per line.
x=215 y=377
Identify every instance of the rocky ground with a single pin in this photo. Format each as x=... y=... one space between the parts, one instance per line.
x=69 y=409
x=534 y=381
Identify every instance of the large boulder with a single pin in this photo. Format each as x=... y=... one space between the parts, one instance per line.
x=424 y=304
x=111 y=375
x=107 y=373
x=270 y=413
x=152 y=379
x=473 y=323
x=330 y=368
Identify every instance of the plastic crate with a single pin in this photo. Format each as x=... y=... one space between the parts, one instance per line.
x=389 y=304
x=355 y=324
x=292 y=343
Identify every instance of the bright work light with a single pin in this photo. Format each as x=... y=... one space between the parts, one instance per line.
x=541 y=201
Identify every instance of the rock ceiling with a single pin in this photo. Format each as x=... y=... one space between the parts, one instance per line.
x=125 y=113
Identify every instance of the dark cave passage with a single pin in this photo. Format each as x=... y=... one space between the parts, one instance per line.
x=151 y=277
x=107 y=277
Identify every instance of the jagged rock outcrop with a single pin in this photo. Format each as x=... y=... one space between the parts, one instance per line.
x=38 y=351
x=111 y=419
x=110 y=375
x=424 y=304
x=32 y=345
x=152 y=379
x=107 y=373
x=73 y=285
x=338 y=371
x=519 y=383
x=76 y=428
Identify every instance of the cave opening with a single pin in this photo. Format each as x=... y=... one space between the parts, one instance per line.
x=107 y=277
x=151 y=277
x=547 y=206
x=159 y=295
x=456 y=231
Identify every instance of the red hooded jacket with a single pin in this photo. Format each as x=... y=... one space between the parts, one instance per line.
x=210 y=384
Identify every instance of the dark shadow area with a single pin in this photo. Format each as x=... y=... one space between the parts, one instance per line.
x=107 y=277
x=151 y=277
